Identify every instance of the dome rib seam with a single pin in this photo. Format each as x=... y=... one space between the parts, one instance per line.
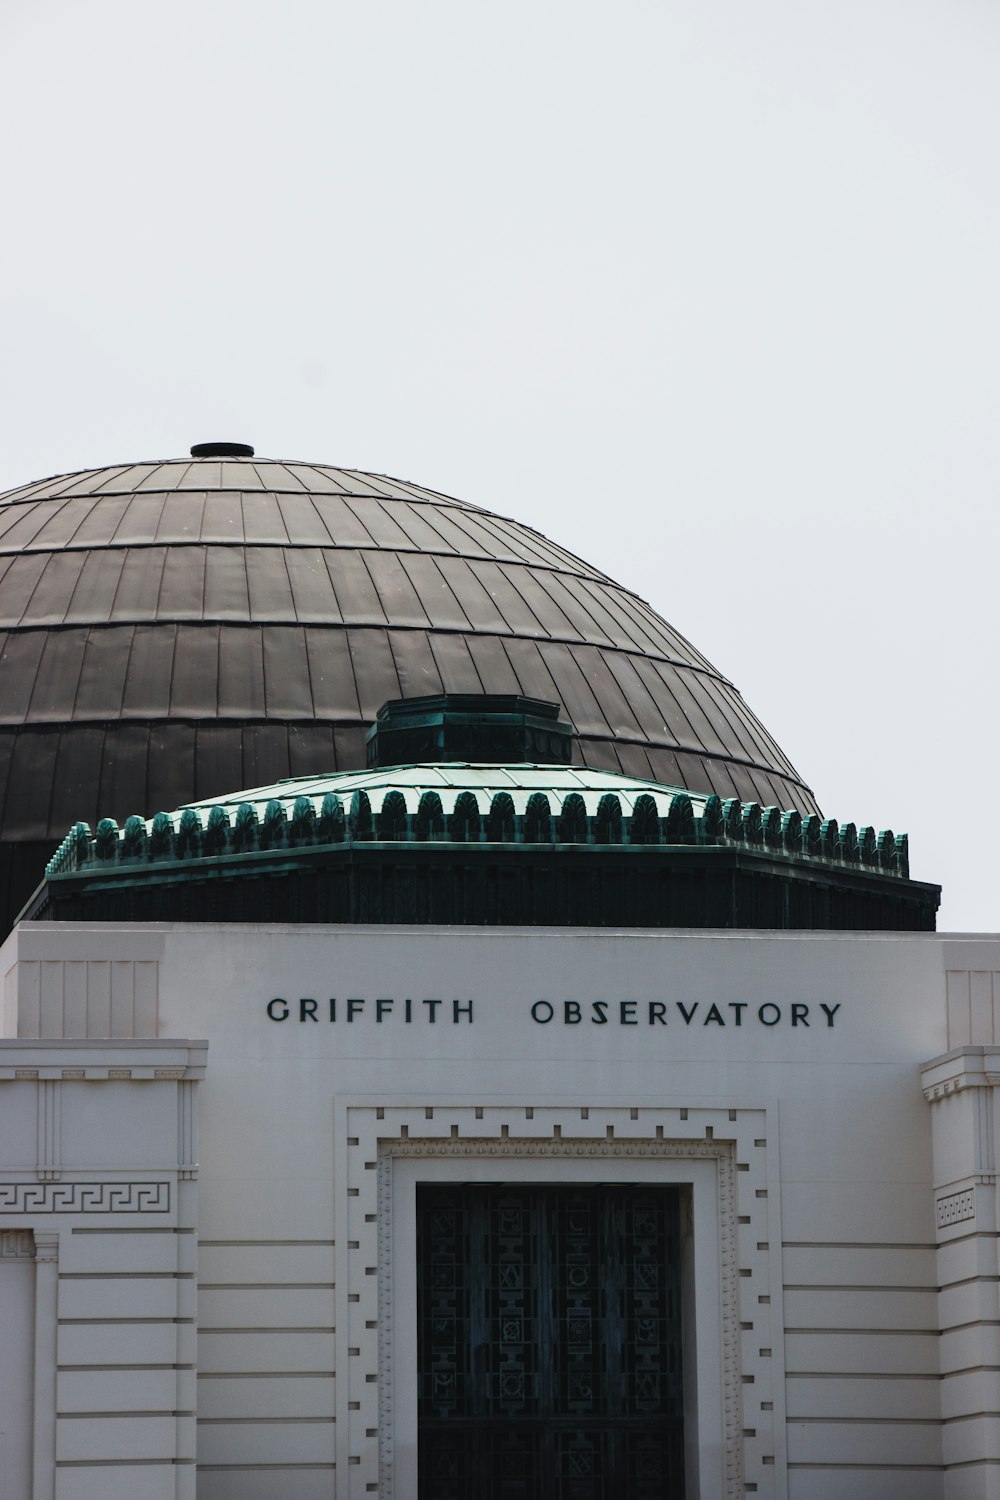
x=445 y=503
x=469 y=557
x=252 y=544
x=503 y=635
x=12 y=498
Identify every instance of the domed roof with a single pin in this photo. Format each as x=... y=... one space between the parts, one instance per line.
x=173 y=630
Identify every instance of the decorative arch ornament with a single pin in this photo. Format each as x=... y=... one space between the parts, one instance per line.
x=500 y=822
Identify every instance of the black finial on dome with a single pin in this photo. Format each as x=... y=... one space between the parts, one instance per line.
x=221 y=450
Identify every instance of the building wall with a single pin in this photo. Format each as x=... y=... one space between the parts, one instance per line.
x=778 y=1076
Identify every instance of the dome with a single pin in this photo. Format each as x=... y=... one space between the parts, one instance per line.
x=171 y=631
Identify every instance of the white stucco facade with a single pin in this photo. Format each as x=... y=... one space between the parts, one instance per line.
x=207 y=1279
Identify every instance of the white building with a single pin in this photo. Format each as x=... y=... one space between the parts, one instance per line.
x=500 y=1120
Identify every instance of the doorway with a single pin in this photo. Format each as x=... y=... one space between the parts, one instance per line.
x=549 y=1342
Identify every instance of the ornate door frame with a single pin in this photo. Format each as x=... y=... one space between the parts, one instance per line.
x=735 y=1440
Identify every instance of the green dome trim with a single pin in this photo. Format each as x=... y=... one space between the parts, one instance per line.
x=472 y=805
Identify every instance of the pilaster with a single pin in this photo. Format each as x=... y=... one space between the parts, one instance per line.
x=98 y=1172
x=46 y=1330
x=961 y=1088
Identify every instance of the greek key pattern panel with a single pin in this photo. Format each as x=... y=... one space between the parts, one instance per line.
x=84 y=1197
x=734 y=1139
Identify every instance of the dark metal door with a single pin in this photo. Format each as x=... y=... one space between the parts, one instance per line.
x=549 y=1343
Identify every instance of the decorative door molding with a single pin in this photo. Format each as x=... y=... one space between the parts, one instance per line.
x=371 y=1138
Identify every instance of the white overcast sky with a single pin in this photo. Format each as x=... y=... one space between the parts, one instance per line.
x=707 y=291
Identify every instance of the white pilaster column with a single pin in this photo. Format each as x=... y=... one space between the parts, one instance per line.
x=961 y=1088
x=115 y=1259
x=46 y=1293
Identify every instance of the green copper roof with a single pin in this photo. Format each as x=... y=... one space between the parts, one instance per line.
x=449 y=780
x=469 y=804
